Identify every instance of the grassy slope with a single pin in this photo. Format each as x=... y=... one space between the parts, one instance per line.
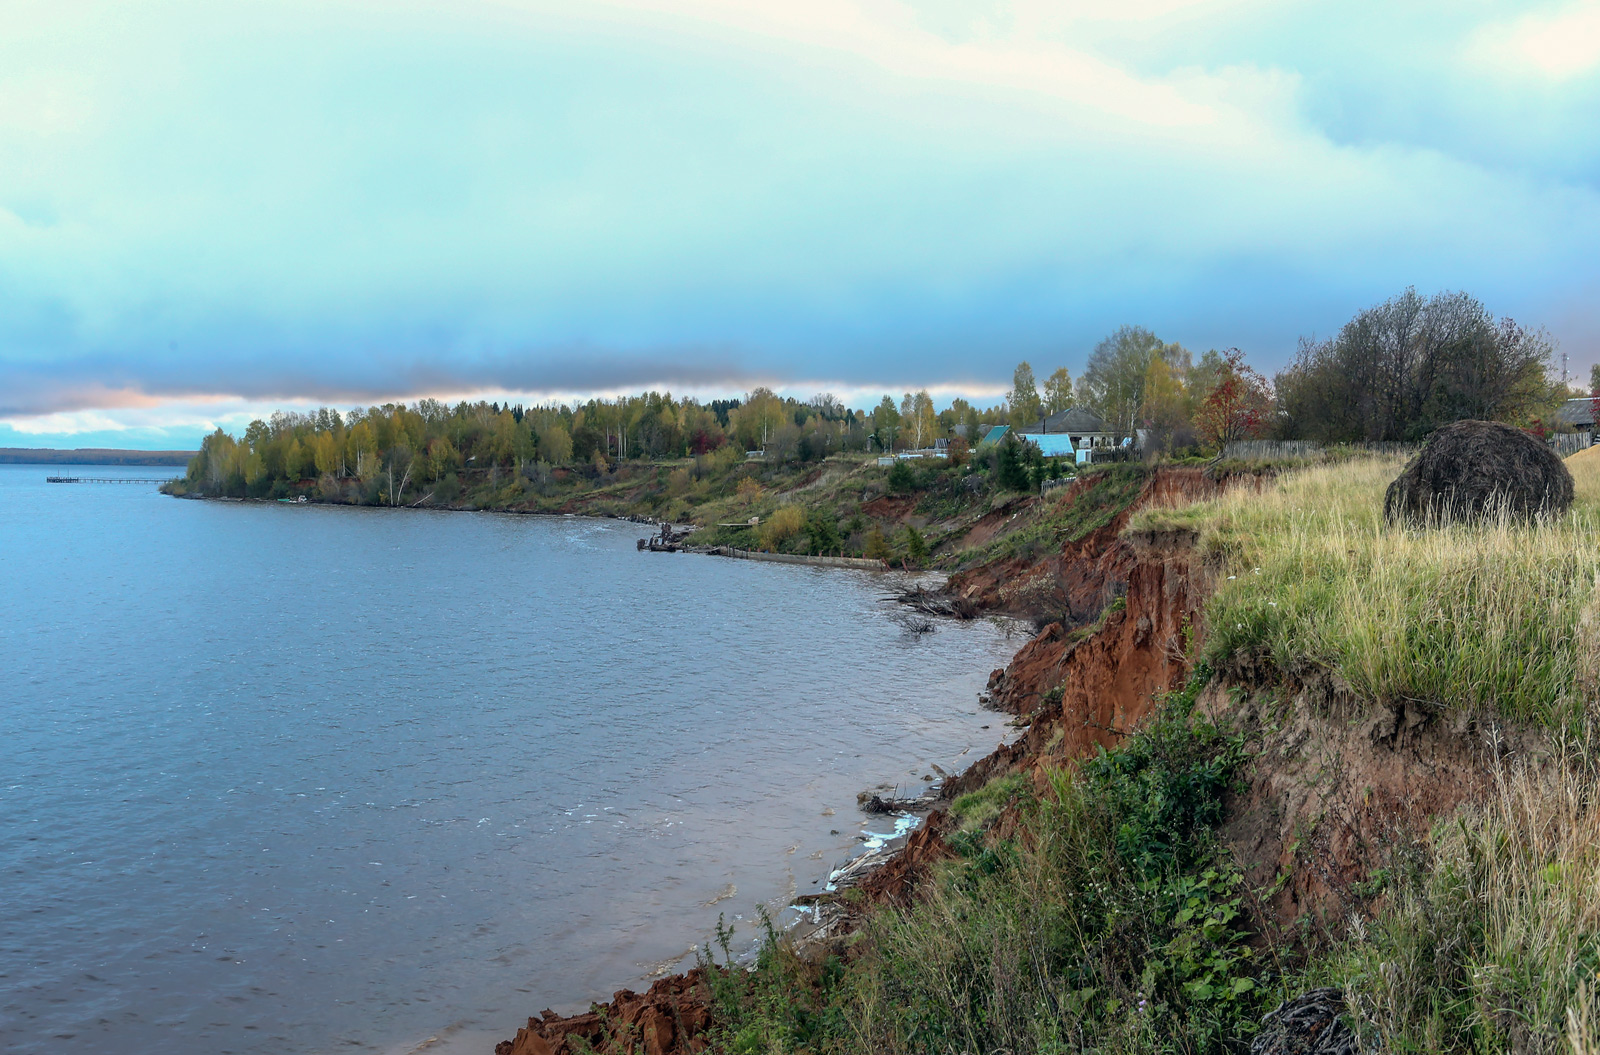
x=1505 y=616
x=1104 y=916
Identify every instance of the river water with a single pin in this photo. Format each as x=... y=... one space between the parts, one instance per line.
x=291 y=779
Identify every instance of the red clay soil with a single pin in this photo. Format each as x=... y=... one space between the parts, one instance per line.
x=890 y=507
x=896 y=883
x=1338 y=787
x=1085 y=690
x=991 y=523
x=671 y=1018
x=1085 y=575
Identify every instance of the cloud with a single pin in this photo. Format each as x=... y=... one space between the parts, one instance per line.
x=1560 y=45
x=350 y=202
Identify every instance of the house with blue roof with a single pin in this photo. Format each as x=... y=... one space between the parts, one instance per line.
x=1051 y=444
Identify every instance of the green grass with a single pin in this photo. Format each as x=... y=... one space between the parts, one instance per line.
x=1104 y=495
x=1502 y=616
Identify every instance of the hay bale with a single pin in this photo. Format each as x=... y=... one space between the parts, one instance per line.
x=1476 y=469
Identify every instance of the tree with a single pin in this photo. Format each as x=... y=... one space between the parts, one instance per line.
x=1164 y=410
x=1594 y=393
x=877 y=547
x=1399 y=370
x=824 y=532
x=885 y=421
x=555 y=445
x=1023 y=399
x=901 y=479
x=325 y=453
x=1238 y=404
x=916 y=547
x=763 y=411
x=923 y=421
x=442 y=457
x=1058 y=392
x=1009 y=469
x=397 y=470
x=1113 y=380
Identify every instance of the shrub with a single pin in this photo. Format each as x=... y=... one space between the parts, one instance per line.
x=902 y=479
x=1109 y=922
x=823 y=531
x=877 y=547
x=781 y=526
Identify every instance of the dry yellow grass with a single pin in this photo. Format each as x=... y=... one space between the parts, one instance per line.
x=1587 y=456
x=1503 y=615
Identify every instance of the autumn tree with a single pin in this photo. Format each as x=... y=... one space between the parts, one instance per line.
x=1058 y=392
x=442 y=457
x=1164 y=410
x=1112 y=384
x=1237 y=406
x=923 y=423
x=555 y=444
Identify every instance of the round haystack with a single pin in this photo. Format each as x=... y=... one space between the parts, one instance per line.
x=1476 y=469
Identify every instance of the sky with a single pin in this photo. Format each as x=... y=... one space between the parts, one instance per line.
x=208 y=211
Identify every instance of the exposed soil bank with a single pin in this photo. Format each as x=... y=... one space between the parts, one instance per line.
x=1334 y=788
x=1080 y=688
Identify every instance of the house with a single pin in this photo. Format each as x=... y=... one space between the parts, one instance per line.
x=1083 y=426
x=993 y=436
x=1051 y=444
x=1576 y=414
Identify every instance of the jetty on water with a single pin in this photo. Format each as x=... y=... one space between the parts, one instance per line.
x=109 y=479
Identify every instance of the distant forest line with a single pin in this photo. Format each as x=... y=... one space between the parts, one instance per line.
x=1395 y=372
x=91 y=456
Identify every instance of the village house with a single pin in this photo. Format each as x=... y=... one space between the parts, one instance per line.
x=1082 y=426
x=1577 y=415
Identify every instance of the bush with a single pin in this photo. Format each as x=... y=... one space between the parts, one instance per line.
x=823 y=531
x=902 y=479
x=877 y=547
x=781 y=526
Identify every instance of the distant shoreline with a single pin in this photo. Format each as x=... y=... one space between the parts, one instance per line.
x=91 y=456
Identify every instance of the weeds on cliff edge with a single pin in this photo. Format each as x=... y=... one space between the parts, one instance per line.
x=1489 y=940
x=1502 y=615
x=1102 y=496
x=1099 y=915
